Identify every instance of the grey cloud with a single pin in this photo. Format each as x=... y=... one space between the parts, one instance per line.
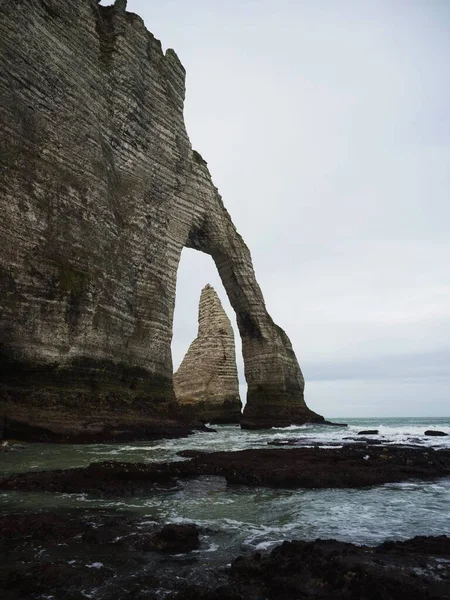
x=429 y=365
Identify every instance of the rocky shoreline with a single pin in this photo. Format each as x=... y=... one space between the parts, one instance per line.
x=277 y=468
x=415 y=569
x=105 y=554
x=111 y=556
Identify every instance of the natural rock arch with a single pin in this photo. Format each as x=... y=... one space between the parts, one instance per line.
x=275 y=395
x=100 y=192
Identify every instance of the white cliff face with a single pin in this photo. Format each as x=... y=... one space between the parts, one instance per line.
x=207 y=380
x=100 y=191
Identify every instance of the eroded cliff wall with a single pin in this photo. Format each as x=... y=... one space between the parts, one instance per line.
x=207 y=380
x=100 y=191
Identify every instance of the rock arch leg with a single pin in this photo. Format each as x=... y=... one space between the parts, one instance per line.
x=275 y=394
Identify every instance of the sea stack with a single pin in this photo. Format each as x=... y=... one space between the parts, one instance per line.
x=207 y=381
x=100 y=192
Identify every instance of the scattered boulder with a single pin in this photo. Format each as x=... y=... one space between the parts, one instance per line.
x=368 y=432
x=175 y=538
x=435 y=433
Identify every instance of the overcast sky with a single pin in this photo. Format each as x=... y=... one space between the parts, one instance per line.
x=326 y=127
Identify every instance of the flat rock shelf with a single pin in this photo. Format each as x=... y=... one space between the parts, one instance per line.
x=285 y=468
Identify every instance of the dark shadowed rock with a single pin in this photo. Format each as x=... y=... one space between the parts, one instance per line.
x=79 y=554
x=435 y=432
x=321 y=467
x=175 y=538
x=64 y=554
x=336 y=570
x=436 y=545
x=109 y=479
x=368 y=432
x=284 y=467
x=100 y=192
x=303 y=442
x=369 y=441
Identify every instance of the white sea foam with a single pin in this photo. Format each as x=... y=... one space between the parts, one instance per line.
x=262 y=546
x=293 y=427
x=403 y=430
x=257 y=518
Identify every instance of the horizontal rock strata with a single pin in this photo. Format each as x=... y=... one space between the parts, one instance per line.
x=100 y=191
x=207 y=380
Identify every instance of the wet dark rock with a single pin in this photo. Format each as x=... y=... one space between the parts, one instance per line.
x=111 y=479
x=125 y=432
x=208 y=429
x=368 y=432
x=68 y=555
x=288 y=442
x=320 y=467
x=50 y=579
x=368 y=441
x=351 y=466
x=303 y=442
x=78 y=554
x=94 y=528
x=175 y=538
x=334 y=570
x=436 y=545
x=434 y=432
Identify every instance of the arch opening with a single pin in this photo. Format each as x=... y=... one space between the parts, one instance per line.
x=206 y=345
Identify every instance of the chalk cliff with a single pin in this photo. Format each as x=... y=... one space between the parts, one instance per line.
x=100 y=190
x=207 y=380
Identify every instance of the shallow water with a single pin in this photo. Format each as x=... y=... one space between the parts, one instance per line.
x=227 y=438
x=237 y=519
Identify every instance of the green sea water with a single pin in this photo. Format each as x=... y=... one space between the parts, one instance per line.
x=236 y=519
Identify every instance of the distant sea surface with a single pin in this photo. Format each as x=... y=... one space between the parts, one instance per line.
x=237 y=519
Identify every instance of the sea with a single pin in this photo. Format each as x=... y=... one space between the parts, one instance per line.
x=239 y=519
